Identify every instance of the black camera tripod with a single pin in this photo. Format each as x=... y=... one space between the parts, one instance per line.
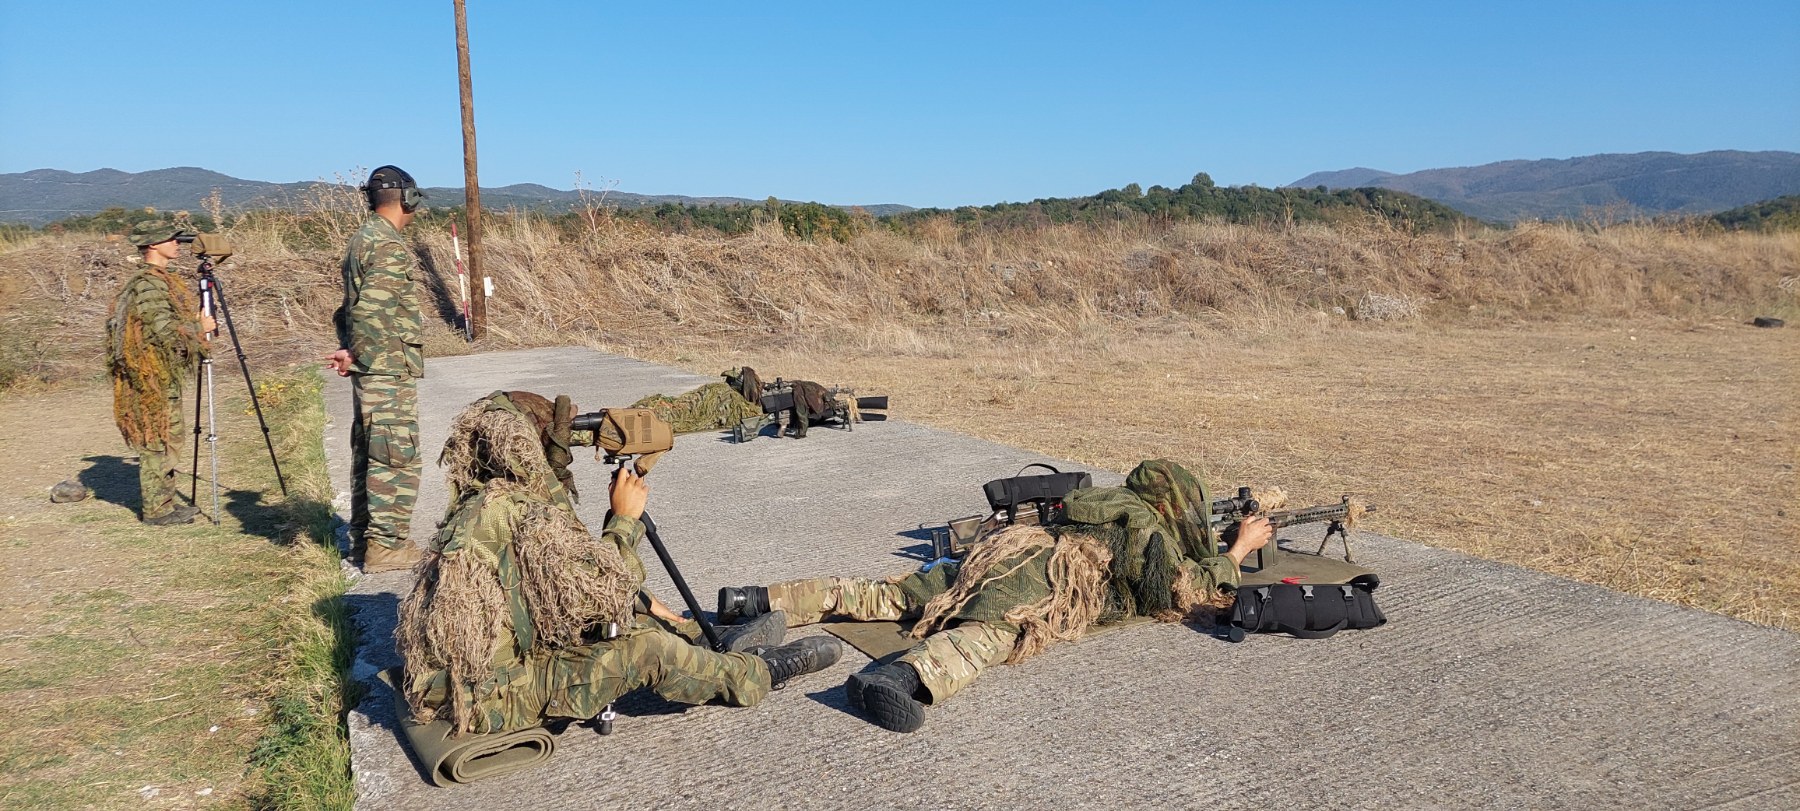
x=212 y=299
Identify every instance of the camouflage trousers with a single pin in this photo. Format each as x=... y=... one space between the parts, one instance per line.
x=579 y=682
x=156 y=465
x=384 y=460
x=947 y=661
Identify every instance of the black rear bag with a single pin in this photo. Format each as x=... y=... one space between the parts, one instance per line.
x=1306 y=610
x=1006 y=494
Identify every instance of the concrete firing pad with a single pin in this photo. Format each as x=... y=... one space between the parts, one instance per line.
x=1492 y=686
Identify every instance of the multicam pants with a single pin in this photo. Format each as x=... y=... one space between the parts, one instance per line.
x=579 y=682
x=156 y=465
x=384 y=459
x=946 y=661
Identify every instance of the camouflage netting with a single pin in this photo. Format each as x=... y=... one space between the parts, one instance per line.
x=708 y=408
x=147 y=368
x=1076 y=594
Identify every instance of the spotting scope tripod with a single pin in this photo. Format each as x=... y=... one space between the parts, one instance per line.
x=212 y=303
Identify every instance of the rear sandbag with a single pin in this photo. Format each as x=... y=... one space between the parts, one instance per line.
x=1005 y=494
x=450 y=760
x=1306 y=610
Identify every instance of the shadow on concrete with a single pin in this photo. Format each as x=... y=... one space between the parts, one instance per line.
x=114 y=481
x=920 y=549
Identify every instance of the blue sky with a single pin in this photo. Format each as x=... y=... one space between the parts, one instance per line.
x=924 y=103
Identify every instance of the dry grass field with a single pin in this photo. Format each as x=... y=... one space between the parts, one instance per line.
x=1657 y=459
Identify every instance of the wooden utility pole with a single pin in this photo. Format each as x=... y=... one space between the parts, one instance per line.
x=471 y=185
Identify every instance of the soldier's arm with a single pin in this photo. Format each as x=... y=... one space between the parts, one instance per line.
x=624 y=534
x=628 y=494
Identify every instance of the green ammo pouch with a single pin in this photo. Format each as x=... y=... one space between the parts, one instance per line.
x=1306 y=610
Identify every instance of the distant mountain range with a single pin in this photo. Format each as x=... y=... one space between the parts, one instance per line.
x=43 y=196
x=1643 y=183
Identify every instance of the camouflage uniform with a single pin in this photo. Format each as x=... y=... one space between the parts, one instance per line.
x=531 y=681
x=979 y=635
x=380 y=323
x=153 y=340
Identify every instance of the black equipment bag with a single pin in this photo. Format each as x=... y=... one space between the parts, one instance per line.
x=1005 y=494
x=1306 y=610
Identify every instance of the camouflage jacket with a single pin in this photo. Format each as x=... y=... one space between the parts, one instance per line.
x=169 y=329
x=515 y=693
x=380 y=321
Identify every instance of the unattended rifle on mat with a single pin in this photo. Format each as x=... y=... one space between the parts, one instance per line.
x=835 y=403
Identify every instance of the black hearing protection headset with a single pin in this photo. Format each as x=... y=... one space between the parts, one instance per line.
x=394 y=177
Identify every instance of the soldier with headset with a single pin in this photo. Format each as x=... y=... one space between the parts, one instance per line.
x=380 y=348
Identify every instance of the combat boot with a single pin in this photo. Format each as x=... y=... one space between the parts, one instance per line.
x=179 y=515
x=741 y=602
x=380 y=558
x=765 y=631
x=887 y=695
x=800 y=657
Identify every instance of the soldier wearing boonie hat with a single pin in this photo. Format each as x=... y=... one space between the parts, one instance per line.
x=155 y=334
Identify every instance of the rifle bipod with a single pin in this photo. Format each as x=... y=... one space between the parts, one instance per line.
x=212 y=299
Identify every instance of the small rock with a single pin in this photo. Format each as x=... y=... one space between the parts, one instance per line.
x=205 y=792
x=215 y=728
x=68 y=490
x=149 y=792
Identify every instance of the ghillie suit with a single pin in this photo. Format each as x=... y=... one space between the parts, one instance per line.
x=153 y=340
x=708 y=408
x=1131 y=551
x=508 y=622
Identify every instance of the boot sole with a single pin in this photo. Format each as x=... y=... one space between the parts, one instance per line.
x=770 y=635
x=891 y=709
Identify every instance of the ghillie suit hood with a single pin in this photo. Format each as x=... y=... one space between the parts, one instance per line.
x=517 y=436
x=147 y=361
x=511 y=552
x=1151 y=524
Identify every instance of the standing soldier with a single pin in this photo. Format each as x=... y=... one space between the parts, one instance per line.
x=154 y=335
x=379 y=332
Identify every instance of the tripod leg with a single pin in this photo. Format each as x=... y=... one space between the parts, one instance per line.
x=244 y=365
x=199 y=402
x=212 y=442
x=687 y=594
